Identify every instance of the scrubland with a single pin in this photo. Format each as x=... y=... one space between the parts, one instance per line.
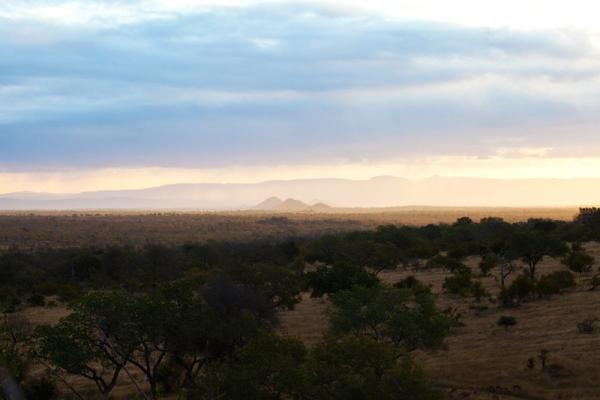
x=91 y=228
x=544 y=354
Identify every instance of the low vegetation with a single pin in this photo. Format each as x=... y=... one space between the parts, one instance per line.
x=204 y=320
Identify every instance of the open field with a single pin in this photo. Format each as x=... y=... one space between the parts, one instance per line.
x=68 y=229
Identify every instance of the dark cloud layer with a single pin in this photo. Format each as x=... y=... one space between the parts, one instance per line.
x=272 y=84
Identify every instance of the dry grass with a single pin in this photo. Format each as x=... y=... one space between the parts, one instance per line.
x=65 y=229
x=484 y=361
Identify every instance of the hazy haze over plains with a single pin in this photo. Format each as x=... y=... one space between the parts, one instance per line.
x=121 y=95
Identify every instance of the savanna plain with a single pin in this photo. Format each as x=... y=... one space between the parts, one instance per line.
x=443 y=303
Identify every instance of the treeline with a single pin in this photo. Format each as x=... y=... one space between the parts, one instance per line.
x=200 y=320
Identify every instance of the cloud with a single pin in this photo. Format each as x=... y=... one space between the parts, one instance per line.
x=119 y=84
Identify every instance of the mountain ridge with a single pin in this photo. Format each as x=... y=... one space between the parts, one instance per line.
x=377 y=192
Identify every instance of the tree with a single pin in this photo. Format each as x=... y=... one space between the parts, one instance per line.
x=554 y=283
x=361 y=368
x=390 y=315
x=445 y=262
x=14 y=362
x=461 y=283
x=279 y=283
x=268 y=367
x=487 y=263
x=589 y=218
x=412 y=283
x=521 y=288
x=85 y=343
x=341 y=276
x=501 y=253
x=533 y=245
x=578 y=260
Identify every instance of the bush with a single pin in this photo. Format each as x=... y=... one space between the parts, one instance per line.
x=478 y=291
x=393 y=315
x=487 y=263
x=36 y=300
x=530 y=363
x=68 y=292
x=587 y=326
x=342 y=276
x=360 y=368
x=578 y=260
x=41 y=389
x=267 y=367
x=47 y=288
x=555 y=283
x=522 y=288
x=462 y=284
x=8 y=299
x=410 y=282
x=506 y=321
x=445 y=262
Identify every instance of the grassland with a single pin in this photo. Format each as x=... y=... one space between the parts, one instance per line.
x=481 y=360
x=71 y=229
x=484 y=361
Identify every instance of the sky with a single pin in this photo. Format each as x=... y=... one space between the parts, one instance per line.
x=122 y=94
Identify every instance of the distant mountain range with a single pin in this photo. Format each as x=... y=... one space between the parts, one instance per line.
x=276 y=204
x=383 y=191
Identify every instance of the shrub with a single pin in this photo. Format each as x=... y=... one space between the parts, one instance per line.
x=487 y=263
x=454 y=316
x=478 y=291
x=578 y=260
x=8 y=299
x=410 y=282
x=506 y=321
x=267 y=367
x=543 y=356
x=68 y=292
x=391 y=315
x=342 y=276
x=354 y=368
x=462 y=284
x=587 y=326
x=522 y=288
x=41 y=389
x=36 y=300
x=47 y=288
x=445 y=262
x=530 y=363
x=554 y=283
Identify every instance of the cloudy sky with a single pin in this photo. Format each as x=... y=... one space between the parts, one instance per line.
x=112 y=94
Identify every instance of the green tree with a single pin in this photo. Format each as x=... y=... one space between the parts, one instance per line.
x=280 y=283
x=14 y=360
x=554 y=283
x=391 y=315
x=361 y=368
x=341 y=276
x=533 y=245
x=578 y=260
x=268 y=367
x=87 y=343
